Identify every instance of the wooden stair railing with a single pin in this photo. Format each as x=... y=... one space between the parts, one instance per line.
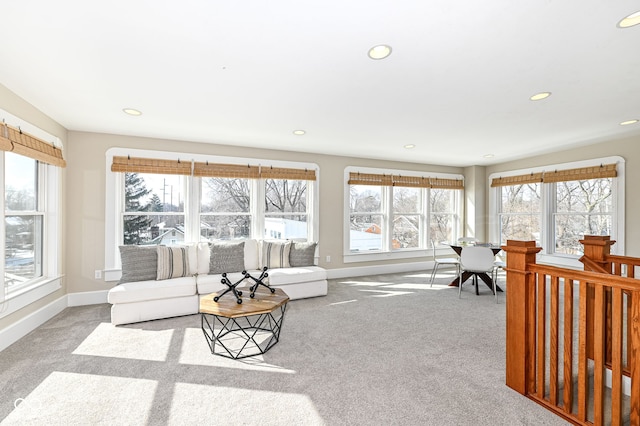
x=558 y=321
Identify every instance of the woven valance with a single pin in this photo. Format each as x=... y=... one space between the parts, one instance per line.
x=15 y=140
x=150 y=165
x=439 y=183
x=410 y=181
x=226 y=170
x=517 y=180
x=583 y=173
x=357 y=178
x=285 y=173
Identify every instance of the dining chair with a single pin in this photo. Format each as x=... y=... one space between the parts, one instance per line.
x=476 y=260
x=455 y=261
x=498 y=264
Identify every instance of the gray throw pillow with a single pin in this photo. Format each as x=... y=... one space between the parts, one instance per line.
x=302 y=253
x=226 y=257
x=139 y=263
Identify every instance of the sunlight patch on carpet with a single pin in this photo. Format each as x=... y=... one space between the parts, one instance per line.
x=217 y=405
x=131 y=343
x=383 y=293
x=365 y=283
x=71 y=398
x=416 y=286
x=195 y=351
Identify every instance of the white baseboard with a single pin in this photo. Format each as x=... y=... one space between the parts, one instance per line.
x=26 y=325
x=360 y=271
x=87 y=298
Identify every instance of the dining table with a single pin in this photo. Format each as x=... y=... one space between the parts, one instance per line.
x=486 y=278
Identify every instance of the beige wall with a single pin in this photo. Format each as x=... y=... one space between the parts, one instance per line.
x=86 y=185
x=627 y=148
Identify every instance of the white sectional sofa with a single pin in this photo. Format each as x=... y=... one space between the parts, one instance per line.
x=173 y=285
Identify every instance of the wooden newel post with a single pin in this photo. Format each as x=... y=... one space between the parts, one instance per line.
x=520 y=345
x=597 y=248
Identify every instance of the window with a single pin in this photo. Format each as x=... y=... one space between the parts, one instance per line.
x=582 y=207
x=23 y=219
x=160 y=199
x=153 y=209
x=443 y=214
x=400 y=212
x=285 y=204
x=365 y=218
x=520 y=212
x=225 y=208
x=30 y=236
x=557 y=208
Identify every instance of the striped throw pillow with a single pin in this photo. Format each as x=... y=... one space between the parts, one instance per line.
x=275 y=254
x=173 y=262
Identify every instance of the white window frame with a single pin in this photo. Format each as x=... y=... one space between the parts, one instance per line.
x=547 y=233
x=49 y=199
x=114 y=199
x=386 y=253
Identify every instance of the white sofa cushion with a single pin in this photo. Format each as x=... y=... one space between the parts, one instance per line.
x=212 y=283
x=251 y=255
x=151 y=290
x=203 y=255
x=280 y=276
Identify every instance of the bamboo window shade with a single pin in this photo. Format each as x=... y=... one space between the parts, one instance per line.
x=583 y=173
x=150 y=165
x=15 y=140
x=517 y=180
x=439 y=183
x=226 y=170
x=285 y=173
x=357 y=178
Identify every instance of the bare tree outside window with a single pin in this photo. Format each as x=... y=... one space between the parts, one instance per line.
x=582 y=207
x=521 y=211
x=407 y=217
x=225 y=208
x=442 y=217
x=285 y=209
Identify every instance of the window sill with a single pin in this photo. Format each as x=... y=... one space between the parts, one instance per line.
x=28 y=294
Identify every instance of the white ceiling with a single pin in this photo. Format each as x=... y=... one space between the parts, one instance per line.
x=247 y=72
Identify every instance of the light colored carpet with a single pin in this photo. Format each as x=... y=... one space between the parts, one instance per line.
x=378 y=350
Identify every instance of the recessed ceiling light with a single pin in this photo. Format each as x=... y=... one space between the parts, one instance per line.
x=630 y=21
x=488 y=156
x=132 y=111
x=540 y=96
x=380 y=51
x=299 y=132
x=410 y=146
x=626 y=123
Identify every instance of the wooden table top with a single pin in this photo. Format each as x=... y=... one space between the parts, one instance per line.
x=263 y=302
